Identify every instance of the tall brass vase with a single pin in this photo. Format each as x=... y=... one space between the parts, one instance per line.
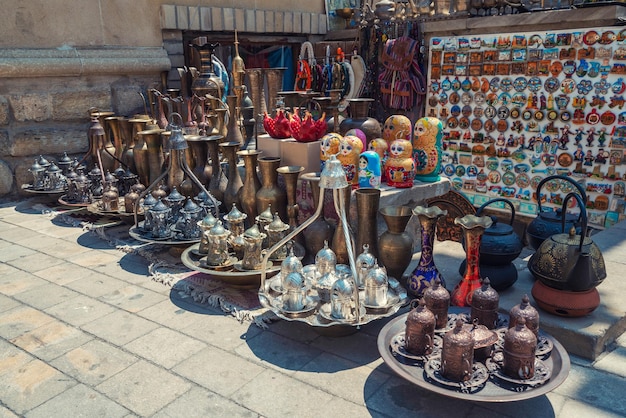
x=367 y=202
x=218 y=182
x=251 y=185
x=290 y=174
x=231 y=194
x=270 y=193
x=149 y=159
x=338 y=244
x=395 y=244
x=140 y=151
x=116 y=138
x=257 y=94
x=126 y=131
x=199 y=152
x=320 y=230
x=233 y=130
x=274 y=85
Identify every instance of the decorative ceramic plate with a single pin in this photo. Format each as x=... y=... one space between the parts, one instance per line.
x=522 y=180
x=508 y=178
x=591 y=37
x=565 y=159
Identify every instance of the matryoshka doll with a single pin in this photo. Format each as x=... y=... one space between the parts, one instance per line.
x=427 y=149
x=369 y=169
x=397 y=127
x=350 y=148
x=400 y=168
x=380 y=147
x=329 y=145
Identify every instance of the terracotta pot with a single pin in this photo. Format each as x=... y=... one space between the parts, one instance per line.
x=563 y=302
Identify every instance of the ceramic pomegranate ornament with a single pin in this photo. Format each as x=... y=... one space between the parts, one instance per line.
x=400 y=168
x=329 y=145
x=397 y=127
x=278 y=126
x=307 y=129
x=350 y=148
x=427 y=149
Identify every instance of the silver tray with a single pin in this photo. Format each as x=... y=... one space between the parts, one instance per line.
x=493 y=391
x=235 y=278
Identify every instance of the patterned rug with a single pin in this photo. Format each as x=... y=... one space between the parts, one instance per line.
x=164 y=268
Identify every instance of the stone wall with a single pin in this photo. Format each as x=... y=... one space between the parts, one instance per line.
x=59 y=58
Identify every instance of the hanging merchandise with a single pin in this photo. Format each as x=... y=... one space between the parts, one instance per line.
x=360 y=71
x=532 y=106
x=401 y=80
x=304 y=72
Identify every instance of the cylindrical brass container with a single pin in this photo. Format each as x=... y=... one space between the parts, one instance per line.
x=519 y=351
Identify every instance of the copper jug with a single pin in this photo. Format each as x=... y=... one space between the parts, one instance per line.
x=528 y=312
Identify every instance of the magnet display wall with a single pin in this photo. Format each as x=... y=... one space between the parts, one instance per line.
x=519 y=107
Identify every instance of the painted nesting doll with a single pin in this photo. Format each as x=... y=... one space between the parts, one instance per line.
x=380 y=147
x=427 y=149
x=350 y=148
x=369 y=169
x=329 y=145
x=400 y=168
x=397 y=127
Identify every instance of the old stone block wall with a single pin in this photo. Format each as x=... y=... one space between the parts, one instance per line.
x=49 y=116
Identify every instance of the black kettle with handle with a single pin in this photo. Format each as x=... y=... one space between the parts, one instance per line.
x=548 y=223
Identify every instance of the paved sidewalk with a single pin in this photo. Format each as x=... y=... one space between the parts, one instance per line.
x=85 y=332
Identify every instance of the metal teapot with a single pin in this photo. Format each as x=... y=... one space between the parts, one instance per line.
x=548 y=223
x=568 y=261
x=500 y=244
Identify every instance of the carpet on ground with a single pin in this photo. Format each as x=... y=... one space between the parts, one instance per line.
x=165 y=268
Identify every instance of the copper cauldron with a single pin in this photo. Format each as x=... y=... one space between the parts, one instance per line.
x=548 y=223
x=568 y=261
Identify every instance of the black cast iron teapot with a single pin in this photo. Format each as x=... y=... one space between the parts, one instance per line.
x=567 y=261
x=548 y=223
x=500 y=245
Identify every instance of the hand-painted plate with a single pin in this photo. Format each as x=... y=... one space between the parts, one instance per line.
x=522 y=180
x=508 y=178
x=565 y=159
x=591 y=37
x=494 y=177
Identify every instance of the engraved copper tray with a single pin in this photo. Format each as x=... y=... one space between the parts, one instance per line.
x=492 y=391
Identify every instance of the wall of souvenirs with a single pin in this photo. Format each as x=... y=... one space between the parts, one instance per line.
x=519 y=107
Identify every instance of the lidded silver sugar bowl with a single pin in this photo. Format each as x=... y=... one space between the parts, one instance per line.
x=342 y=300
x=376 y=287
x=364 y=263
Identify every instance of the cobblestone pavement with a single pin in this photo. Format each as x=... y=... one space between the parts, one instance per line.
x=85 y=332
